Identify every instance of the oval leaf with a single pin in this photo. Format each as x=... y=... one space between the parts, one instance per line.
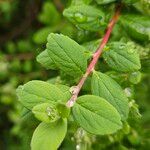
x=96 y=115
x=67 y=54
x=85 y=16
x=63 y=110
x=49 y=136
x=37 y=92
x=44 y=59
x=104 y=86
x=122 y=57
x=137 y=26
x=45 y=112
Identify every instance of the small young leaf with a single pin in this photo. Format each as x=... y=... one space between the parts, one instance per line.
x=135 y=77
x=45 y=60
x=85 y=16
x=37 y=92
x=49 y=136
x=122 y=57
x=96 y=115
x=46 y=112
x=104 y=86
x=137 y=26
x=67 y=54
x=63 y=110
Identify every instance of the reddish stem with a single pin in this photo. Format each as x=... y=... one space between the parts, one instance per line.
x=95 y=58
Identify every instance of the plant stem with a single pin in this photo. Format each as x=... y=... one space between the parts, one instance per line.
x=96 y=55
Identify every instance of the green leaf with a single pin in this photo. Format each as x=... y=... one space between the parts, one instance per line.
x=137 y=26
x=135 y=77
x=46 y=112
x=40 y=36
x=63 y=110
x=104 y=86
x=49 y=136
x=67 y=54
x=49 y=14
x=37 y=92
x=25 y=111
x=44 y=59
x=143 y=6
x=96 y=115
x=66 y=91
x=92 y=46
x=122 y=56
x=85 y=17
x=105 y=1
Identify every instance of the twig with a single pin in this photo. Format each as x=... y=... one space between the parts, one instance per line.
x=76 y=89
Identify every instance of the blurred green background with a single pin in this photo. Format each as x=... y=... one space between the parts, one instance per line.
x=24 y=26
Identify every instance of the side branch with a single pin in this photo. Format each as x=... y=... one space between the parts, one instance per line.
x=76 y=89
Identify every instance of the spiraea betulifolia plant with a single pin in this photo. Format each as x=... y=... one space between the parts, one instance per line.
x=91 y=100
